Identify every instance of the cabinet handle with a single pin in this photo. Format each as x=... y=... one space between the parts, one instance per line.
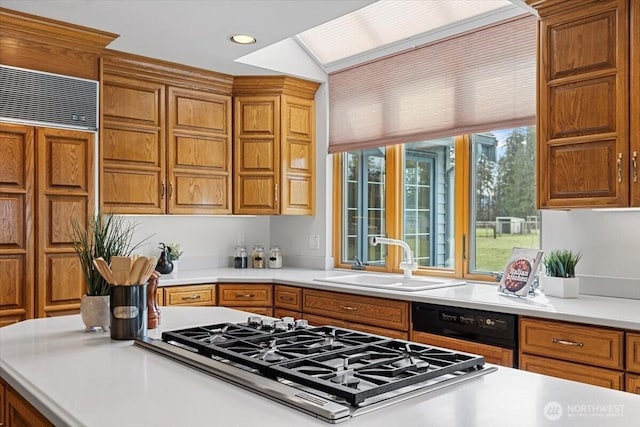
x=634 y=164
x=276 y=193
x=192 y=297
x=619 y=163
x=162 y=192
x=567 y=342
x=286 y=298
x=348 y=308
x=170 y=191
x=245 y=295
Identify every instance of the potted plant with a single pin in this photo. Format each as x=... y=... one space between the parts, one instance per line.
x=172 y=252
x=560 y=279
x=104 y=236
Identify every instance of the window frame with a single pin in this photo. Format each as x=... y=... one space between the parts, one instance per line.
x=394 y=207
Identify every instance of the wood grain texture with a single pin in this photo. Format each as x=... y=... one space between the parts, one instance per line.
x=316 y=320
x=17 y=227
x=632 y=383
x=491 y=354
x=634 y=139
x=583 y=105
x=192 y=295
x=65 y=189
x=42 y=44
x=572 y=371
x=633 y=352
x=245 y=295
x=367 y=310
x=287 y=297
x=595 y=346
x=20 y=413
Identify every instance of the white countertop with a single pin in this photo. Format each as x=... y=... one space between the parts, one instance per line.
x=614 y=312
x=78 y=378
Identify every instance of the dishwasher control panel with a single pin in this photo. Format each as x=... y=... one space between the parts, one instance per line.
x=470 y=324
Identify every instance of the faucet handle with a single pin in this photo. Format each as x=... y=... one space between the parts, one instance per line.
x=357 y=264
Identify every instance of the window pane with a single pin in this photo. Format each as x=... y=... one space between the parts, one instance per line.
x=429 y=177
x=364 y=199
x=504 y=214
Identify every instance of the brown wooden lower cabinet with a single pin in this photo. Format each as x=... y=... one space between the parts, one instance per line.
x=316 y=320
x=633 y=383
x=190 y=295
x=263 y=311
x=283 y=312
x=573 y=371
x=491 y=354
x=378 y=312
x=17 y=412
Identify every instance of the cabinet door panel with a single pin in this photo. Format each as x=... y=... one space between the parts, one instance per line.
x=207 y=114
x=572 y=342
x=132 y=101
x=199 y=152
x=582 y=108
x=258 y=193
x=573 y=371
x=62 y=195
x=17 y=256
x=583 y=170
x=633 y=352
x=139 y=147
x=128 y=191
x=596 y=34
x=198 y=193
x=491 y=354
x=633 y=383
x=202 y=153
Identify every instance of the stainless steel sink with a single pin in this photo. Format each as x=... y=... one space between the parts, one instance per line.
x=389 y=281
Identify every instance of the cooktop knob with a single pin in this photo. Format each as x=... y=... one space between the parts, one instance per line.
x=302 y=324
x=254 y=321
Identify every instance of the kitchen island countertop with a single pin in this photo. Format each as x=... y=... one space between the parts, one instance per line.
x=78 y=378
x=595 y=310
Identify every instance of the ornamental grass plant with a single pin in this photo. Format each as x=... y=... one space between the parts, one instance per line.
x=561 y=263
x=105 y=236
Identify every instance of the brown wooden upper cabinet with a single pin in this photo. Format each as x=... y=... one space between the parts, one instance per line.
x=588 y=140
x=274 y=146
x=166 y=138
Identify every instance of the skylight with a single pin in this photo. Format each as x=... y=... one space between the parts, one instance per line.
x=389 y=22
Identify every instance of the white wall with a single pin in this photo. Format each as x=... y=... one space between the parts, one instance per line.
x=207 y=241
x=609 y=243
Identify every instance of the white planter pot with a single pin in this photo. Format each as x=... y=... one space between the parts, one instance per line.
x=561 y=287
x=95 y=312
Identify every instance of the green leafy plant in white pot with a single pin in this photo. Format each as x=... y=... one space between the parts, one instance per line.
x=560 y=279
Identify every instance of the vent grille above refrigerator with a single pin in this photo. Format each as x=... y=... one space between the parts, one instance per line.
x=49 y=99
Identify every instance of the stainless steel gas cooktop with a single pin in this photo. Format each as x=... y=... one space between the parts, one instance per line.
x=329 y=372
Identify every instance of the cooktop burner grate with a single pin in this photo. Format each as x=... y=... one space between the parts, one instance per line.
x=346 y=364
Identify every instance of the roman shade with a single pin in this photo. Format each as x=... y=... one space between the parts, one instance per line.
x=478 y=81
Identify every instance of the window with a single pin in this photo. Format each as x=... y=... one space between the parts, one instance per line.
x=364 y=213
x=412 y=192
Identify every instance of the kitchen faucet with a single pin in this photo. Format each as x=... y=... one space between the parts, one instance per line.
x=408 y=265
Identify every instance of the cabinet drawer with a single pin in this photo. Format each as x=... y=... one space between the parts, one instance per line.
x=283 y=312
x=245 y=295
x=633 y=383
x=190 y=295
x=263 y=311
x=576 y=343
x=572 y=371
x=368 y=310
x=633 y=352
x=288 y=297
x=491 y=354
x=315 y=320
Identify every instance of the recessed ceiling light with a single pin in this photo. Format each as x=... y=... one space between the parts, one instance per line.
x=242 y=39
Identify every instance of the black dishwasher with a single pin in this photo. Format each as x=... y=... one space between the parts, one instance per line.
x=484 y=327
